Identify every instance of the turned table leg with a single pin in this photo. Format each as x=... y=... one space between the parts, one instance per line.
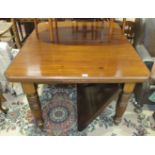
x=33 y=99
x=123 y=101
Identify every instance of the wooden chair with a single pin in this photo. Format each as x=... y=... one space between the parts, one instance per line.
x=52 y=22
x=37 y=21
x=24 y=26
x=10 y=27
x=111 y=22
x=53 y=26
x=121 y=22
x=128 y=29
x=75 y=25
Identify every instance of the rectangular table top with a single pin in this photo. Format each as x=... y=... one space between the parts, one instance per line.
x=115 y=61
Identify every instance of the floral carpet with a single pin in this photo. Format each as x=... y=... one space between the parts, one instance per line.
x=59 y=107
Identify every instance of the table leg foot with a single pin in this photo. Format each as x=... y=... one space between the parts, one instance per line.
x=2 y=109
x=40 y=123
x=34 y=103
x=5 y=111
x=123 y=102
x=117 y=120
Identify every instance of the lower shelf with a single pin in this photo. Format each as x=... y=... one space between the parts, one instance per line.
x=92 y=99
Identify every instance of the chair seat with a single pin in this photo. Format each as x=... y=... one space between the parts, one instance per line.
x=4 y=27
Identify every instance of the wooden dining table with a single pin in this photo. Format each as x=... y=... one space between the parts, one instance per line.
x=101 y=63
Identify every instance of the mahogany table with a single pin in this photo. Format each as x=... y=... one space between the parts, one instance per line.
x=86 y=55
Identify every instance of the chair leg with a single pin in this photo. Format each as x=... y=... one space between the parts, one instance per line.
x=16 y=35
x=36 y=27
x=13 y=38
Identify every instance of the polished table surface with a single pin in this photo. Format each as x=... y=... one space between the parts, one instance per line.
x=112 y=61
x=81 y=55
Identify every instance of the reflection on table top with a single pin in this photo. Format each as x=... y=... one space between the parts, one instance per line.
x=110 y=60
x=81 y=32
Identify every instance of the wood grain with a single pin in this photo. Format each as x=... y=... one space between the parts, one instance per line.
x=115 y=61
x=34 y=102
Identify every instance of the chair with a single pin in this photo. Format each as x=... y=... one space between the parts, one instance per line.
x=128 y=28
x=53 y=23
x=24 y=26
x=8 y=30
x=36 y=21
x=94 y=22
x=75 y=23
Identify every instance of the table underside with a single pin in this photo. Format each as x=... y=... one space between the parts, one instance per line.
x=92 y=99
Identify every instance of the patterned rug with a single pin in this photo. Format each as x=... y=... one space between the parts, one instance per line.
x=60 y=114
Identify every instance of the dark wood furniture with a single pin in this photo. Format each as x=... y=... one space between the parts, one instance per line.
x=91 y=62
x=25 y=26
x=10 y=27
